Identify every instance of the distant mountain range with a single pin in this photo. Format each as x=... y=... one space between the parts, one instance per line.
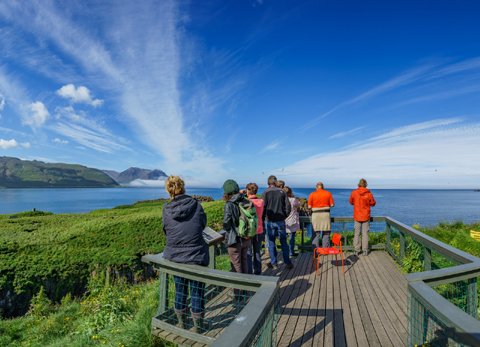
x=17 y=173
x=135 y=173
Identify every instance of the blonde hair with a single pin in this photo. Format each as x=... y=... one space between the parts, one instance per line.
x=362 y=183
x=174 y=186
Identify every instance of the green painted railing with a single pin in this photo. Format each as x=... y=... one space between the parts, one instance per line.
x=248 y=320
x=443 y=297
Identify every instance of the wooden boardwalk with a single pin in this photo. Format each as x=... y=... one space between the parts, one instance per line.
x=366 y=306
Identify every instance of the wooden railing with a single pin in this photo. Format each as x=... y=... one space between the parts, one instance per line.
x=443 y=298
x=254 y=320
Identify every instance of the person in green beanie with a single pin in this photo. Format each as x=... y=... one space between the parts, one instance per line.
x=237 y=246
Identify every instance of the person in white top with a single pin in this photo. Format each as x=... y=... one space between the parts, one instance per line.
x=293 y=220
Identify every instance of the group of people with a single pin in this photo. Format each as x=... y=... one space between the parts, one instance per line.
x=272 y=216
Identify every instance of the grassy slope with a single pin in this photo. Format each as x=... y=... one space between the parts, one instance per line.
x=67 y=248
x=115 y=315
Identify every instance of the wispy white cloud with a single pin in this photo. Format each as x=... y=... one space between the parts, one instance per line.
x=2 y=102
x=271 y=146
x=60 y=141
x=12 y=143
x=418 y=128
x=399 y=81
x=346 y=133
x=90 y=138
x=7 y=144
x=432 y=154
x=13 y=91
x=80 y=94
x=38 y=116
x=86 y=131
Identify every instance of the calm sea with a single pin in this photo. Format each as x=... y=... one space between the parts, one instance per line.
x=425 y=207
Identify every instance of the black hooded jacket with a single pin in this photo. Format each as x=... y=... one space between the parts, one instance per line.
x=183 y=224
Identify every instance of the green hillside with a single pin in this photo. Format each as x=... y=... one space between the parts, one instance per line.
x=17 y=173
x=60 y=252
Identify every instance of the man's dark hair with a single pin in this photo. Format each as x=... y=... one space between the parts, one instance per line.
x=272 y=180
x=252 y=188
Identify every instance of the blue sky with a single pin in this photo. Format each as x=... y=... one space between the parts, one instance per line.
x=308 y=90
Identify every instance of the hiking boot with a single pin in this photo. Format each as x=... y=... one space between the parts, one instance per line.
x=199 y=326
x=289 y=266
x=181 y=318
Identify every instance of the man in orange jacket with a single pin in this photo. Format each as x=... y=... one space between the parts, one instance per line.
x=361 y=199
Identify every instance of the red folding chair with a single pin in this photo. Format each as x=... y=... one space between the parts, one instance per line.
x=336 y=249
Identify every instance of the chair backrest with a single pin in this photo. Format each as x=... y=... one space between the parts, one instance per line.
x=337 y=239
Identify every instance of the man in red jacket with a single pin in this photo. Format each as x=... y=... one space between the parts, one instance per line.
x=361 y=199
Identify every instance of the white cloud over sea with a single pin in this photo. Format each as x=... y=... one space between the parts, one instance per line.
x=439 y=153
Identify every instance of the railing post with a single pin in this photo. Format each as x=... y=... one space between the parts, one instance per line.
x=211 y=251
x=163 y=296
x=427 y=259
x=402 y=245
x=388 y=232
x=472 y=297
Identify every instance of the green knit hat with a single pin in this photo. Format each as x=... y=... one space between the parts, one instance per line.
x=230 y=187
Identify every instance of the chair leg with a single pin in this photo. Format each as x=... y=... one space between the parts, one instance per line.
x=343 y=268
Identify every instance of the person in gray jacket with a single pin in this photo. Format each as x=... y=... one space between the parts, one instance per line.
x=183 y=224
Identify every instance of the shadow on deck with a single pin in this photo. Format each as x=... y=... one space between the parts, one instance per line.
x=366 y=306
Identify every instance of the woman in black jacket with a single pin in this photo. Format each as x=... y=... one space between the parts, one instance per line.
x=183 y=224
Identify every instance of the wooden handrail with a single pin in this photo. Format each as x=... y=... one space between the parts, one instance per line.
x=249 y=321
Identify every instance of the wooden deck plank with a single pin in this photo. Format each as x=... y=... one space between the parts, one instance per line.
x=364 y=315
x=338 y=311
x=380 y=304
x=390 y=303
x=321 y=313
x=303 y=313
x=359 y=338
x=371 y=301
x=292 y=302
x=328 y=335
x=310 y=323
x=392 y=269
x=391 y=274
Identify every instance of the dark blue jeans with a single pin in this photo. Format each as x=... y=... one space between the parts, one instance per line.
x=274 y=230
x=292 y=243
x=254 y=255
x=197 y=292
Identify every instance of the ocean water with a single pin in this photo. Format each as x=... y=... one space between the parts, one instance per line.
x=424 y=207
